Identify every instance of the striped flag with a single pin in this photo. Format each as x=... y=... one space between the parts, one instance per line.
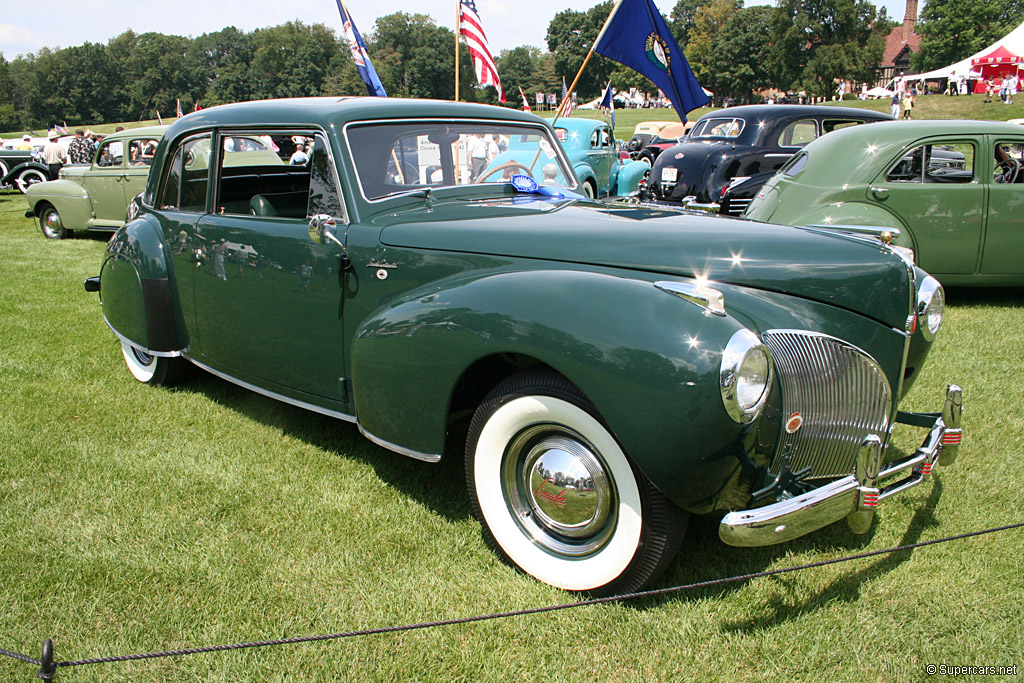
x=526 y=105
x=565 y=109
x=479 y=48
x=178 y=104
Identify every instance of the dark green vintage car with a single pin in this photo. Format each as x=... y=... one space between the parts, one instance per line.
x=616 y=367
x=950 y=191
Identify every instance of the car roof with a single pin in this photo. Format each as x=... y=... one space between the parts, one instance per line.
x=865 y=148
x=326 y=112
x=145 y=131
x=577 y=124
x=767 y=111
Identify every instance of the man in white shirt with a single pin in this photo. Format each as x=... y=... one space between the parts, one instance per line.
x=476 y=147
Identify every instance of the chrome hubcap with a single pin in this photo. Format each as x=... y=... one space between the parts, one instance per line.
x=559 y=490
x=144 y=358
x=53 y=221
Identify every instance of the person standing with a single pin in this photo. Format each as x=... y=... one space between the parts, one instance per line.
x=895 y=108
x=908 y=105
x=989 y=89
x=80 y=149
x=477 y=149
x=53 y=155
x=26 y=143
x=1011 y=88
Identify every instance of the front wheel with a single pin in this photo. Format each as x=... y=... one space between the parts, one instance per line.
x=51 y=224
x=150 y=369
x=589 y=189
x=557 y=495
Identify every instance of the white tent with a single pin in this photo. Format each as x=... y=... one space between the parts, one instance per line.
x=1012 y=41
x=879 y=92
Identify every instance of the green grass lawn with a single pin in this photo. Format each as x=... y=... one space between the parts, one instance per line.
x=135 y=519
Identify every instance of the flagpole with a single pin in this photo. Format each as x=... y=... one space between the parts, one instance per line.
x=458 y=30
x=579 y=73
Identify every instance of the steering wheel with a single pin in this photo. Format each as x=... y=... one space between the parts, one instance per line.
x=501 y=167
x=1007 y=170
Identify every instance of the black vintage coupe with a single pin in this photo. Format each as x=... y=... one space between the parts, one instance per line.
x=742 y=146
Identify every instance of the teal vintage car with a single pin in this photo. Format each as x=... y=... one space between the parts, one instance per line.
x=95 y=196
x=952 y=192
x=592 y=153
x=606 y=368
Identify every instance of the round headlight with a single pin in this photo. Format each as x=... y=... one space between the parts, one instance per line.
x=746 y=375
x=931 y=305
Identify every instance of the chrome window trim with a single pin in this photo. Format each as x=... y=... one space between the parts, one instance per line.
x=545 y=126
x=249 y=129
x=151 y=202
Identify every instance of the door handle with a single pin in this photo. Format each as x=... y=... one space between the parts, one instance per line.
x=881 y=193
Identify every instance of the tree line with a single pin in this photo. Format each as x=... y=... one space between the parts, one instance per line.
x=734 y=51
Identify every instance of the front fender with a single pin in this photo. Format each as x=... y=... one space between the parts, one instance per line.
x=856 y=213
x=16 y=171
x=647 y=360
x=627 y=176
x=585 y=172
x=69 y=198
x=139 y=302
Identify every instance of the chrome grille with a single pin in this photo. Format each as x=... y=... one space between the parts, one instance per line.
x=737 y=206
x=840 y=392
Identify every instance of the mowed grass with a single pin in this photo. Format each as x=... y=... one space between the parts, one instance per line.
x=135 y=519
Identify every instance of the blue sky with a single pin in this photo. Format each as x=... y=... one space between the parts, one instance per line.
x=25 y=27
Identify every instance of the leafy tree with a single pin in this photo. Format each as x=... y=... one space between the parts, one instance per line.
x=291 y=60
x=708 y=23
x=845 y=31
x=223 y=61
x=682 y=18
x=570 y=36
x=517 y=67
x=738 y=60
x=413 y=58
x=951 y=30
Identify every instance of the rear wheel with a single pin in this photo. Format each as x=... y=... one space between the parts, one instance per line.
x=150 y=369
x=51 y=224
x=557 y=495
x=589 y=189
x=28 y=178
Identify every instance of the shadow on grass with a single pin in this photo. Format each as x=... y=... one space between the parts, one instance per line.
x=702 y=557
x=439 y=486
x=985 y=296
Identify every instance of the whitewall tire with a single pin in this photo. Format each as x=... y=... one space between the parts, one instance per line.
x=557 y=495
x=149 y=369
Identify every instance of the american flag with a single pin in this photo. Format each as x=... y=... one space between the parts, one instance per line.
x=479 y=49
x=565 y=109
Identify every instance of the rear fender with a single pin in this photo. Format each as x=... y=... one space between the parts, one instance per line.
x=647 y=360
x=627 y=176
x=136 y=289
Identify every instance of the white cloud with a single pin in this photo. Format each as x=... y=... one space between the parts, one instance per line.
x=20 y=39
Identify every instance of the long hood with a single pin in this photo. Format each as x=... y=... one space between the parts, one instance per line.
x=854 y=273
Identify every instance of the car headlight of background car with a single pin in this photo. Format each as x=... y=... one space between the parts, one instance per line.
x=931 y=304
x=746 y=375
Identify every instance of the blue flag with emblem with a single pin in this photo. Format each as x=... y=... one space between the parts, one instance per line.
x=358 y=48
x=636 y=36
x=607 y=102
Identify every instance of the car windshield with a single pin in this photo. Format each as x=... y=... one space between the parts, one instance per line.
x=392 y=158
x=718 y=128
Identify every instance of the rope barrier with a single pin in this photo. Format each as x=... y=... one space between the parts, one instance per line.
x=48 y=667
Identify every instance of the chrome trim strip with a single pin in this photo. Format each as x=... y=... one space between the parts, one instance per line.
x=160 y=354
x=857 y=229
x=402 y=450
x=270 y=394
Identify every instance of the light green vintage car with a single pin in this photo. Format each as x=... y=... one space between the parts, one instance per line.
x=952 y=192
x=606 y=369
x=95 y=196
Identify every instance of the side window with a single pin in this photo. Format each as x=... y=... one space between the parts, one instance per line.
x=798 y=133
x=264 y=174
x=140 y=152
x=186 y=176
x=110 y=154
x=1009 y=157
x=595 y=139
x=935 y=163
x=606 y=137
x=829 y=126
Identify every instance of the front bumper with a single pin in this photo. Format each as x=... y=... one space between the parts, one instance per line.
x=856 y=496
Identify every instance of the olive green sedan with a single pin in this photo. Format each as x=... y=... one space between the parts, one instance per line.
x=950 y=191
x=95 y=196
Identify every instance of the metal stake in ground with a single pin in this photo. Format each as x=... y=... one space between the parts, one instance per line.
x=47 y=667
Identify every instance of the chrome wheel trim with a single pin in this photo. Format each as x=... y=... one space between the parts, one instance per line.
x=572 y=518
x=52 y=226
x=141 y=364
x=603 y=564
x=588 y=190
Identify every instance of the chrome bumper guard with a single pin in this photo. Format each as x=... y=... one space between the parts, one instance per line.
x=855 y=497
x=690 y=203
